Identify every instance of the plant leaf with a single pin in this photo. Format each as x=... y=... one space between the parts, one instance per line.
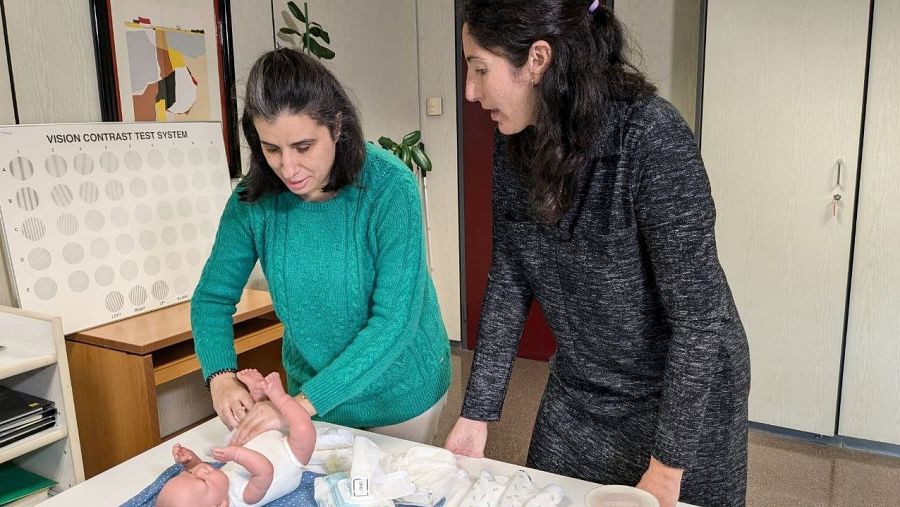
x=386 y=142
x=318 y=32
x=296 y=12
x=406 y=157
x=290 y=31
x=420 y=158
x=327 y=54
x=313 y=45
x=319 y=50
x=411 y=138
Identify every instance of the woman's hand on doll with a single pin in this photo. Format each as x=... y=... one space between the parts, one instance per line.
x=261 y=418
x=230 y=398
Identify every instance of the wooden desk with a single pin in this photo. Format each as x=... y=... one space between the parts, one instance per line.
x=117 y=368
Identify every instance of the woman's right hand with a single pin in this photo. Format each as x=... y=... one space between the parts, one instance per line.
x=230 y=398
x=468 y=438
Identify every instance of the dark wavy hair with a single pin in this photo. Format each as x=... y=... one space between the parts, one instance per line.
x=588 y=67
x=288 y=81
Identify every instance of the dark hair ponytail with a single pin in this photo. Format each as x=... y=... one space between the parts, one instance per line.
x=588 y=67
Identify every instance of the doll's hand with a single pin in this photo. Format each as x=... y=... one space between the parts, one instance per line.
x=180 y=454
x=184 y=456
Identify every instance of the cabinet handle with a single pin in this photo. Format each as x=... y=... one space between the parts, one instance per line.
x=840 y=165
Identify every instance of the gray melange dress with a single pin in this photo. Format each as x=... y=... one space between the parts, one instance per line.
x=652 y=357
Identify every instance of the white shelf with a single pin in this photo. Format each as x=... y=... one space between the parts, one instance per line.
x=33 y=360
x=27 y=341
x=24 y=365
x=28 y=444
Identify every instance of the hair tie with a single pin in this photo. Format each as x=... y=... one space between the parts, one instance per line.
x=593 y=7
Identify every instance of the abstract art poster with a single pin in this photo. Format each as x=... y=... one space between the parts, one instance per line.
x=166 y=61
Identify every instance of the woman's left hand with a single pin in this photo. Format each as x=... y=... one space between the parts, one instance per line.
x=262 y=417
x=663 y=482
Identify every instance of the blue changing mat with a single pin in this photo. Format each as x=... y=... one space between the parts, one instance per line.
x=303 y=496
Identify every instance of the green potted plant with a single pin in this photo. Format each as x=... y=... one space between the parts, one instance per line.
x=311 y=32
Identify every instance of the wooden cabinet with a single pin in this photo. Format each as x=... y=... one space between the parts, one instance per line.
x=782 y=105
x=870 y=392
x=33 y=361
x=119 y=368
x=787 y=113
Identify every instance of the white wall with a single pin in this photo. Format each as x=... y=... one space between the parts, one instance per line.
x=7 y=114
x=667 y=32
x=53 y=63
x=251 y=33
x=437 y=78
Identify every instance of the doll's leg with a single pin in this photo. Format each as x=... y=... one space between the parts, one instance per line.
x=254 y=382
x=302 y=437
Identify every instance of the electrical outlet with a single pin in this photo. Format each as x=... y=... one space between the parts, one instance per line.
x=433 y=106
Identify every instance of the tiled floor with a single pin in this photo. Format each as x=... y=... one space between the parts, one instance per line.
x=782 y=471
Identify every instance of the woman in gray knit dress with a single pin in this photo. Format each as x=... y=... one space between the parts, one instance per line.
x=602 y=212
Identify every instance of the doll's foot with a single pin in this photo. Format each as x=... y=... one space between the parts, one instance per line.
x=273 y=388
x=255 y=383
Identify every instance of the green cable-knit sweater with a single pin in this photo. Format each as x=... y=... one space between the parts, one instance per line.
x=363 y=335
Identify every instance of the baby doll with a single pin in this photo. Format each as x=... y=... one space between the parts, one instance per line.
x=270 y=464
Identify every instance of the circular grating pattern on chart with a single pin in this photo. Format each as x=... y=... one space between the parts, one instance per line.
x=89 y=192
x=27 y=199
x=21 y=169
x=83 y=163
x=109 y=225
x=56 y=166
x=67 y=224
x=39 y=259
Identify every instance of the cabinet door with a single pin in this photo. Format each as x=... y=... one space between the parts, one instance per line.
x=782 y=104
x=871 y=387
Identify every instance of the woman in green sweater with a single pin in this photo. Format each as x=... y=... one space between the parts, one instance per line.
x=336 y=225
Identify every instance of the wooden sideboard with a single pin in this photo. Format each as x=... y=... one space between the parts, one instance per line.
x=117 y=368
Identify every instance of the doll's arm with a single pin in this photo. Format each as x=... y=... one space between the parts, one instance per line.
x=260 y=468
x=185 y=456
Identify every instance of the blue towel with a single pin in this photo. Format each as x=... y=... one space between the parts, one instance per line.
x=300 y=497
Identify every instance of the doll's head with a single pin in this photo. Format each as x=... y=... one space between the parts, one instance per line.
x=201 y=486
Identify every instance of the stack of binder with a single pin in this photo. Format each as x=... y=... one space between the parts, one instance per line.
x=22 y=414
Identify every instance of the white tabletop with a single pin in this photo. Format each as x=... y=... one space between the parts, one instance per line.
x=122 y=482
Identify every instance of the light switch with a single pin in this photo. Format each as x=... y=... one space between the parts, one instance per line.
x=433 y=106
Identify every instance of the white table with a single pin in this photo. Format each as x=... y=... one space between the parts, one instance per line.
x=122 y=482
